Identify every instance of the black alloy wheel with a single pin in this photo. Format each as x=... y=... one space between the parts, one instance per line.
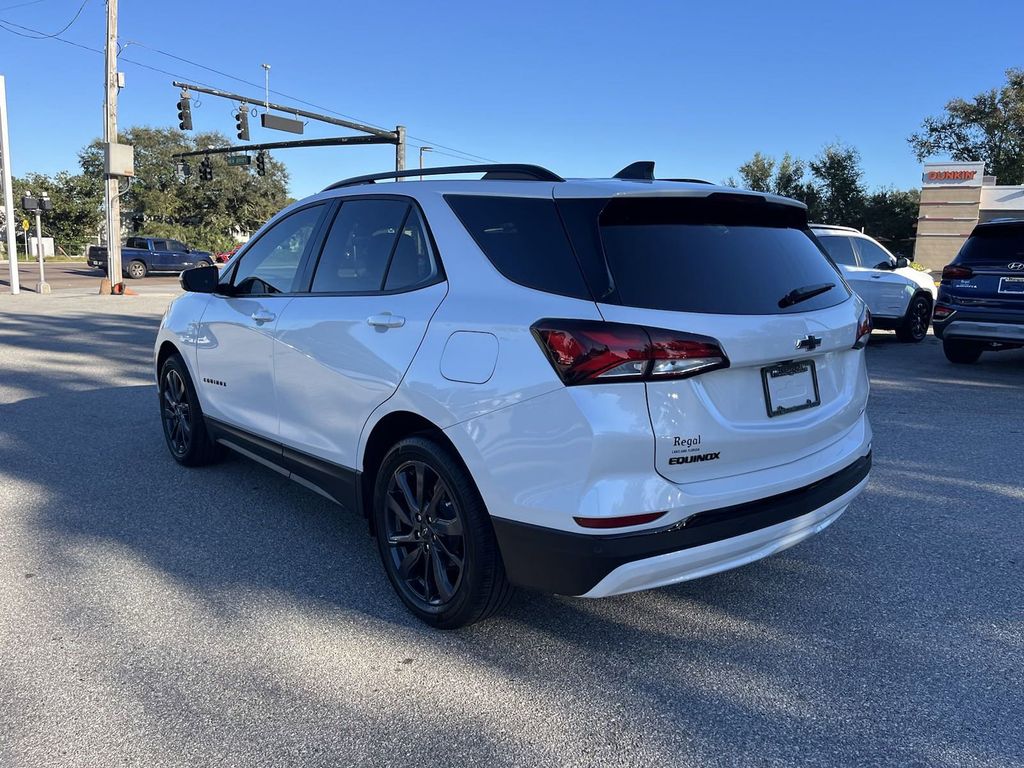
x=915 y=323
x=425 y=534
x=177 y=413
x=182 y=417
x=435 y=535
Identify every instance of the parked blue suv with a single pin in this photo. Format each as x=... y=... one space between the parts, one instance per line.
x=981 y=298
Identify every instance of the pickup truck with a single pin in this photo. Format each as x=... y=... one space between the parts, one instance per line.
x=142 y=255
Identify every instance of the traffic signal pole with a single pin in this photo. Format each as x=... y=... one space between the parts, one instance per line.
x=5 y=158
x=113 y=202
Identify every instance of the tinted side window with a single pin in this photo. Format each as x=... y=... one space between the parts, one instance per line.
x=871 y=255
x=135 y=242
x=176 y=245
x=359 y=246
x=840 y=249
x=413 y=262
x=160 y=245
x=525 y=241
x=272 y=262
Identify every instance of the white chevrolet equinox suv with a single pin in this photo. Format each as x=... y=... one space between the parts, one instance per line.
x=586 y=387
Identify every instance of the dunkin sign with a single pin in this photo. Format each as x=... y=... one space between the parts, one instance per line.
x=953 y=174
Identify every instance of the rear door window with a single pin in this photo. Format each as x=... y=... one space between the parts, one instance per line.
x=358 y=248
x=525 y=241
x=721 y=254
x=840 y=248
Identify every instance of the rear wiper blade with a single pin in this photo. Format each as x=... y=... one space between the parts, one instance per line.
x=803 y=293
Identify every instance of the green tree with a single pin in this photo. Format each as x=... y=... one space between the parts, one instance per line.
x=76 y=215
x=756 y=174
x=206 y=215
x=988 y=127
x=890 y=215
x=837 y=177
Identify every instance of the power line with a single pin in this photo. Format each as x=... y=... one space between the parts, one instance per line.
x=184 y=60
x=20 y=5
x=44 y=35
x=439 y=149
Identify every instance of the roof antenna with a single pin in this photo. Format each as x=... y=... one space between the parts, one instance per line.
x=643 y=170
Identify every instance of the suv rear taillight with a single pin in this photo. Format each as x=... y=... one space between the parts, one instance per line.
x=941 y=312
x=864 y=328
x=596 y=352
x=956 y=272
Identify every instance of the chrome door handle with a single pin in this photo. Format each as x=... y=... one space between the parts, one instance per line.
x=261 y=316
x=386 y=320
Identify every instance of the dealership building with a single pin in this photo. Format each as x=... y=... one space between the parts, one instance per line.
x=955 y=197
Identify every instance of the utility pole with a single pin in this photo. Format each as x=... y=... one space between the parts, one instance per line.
x=400 y=148
x=110 y=137
x=5 y=158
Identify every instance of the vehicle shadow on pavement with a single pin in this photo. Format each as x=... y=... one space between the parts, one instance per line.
x=230 y=611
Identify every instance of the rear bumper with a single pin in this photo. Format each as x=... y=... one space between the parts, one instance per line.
x=571 y=563
x=1007 y=327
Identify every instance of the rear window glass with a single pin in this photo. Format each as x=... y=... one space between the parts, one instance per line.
x=999 y=245
x=524 y=239
x=718 y=255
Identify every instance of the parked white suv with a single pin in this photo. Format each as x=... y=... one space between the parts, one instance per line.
x=587 y=387
x=900 y=297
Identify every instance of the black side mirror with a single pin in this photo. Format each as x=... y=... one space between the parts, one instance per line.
x=200 y=279
x=902 y=262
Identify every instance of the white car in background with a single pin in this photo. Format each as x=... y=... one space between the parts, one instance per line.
x=900 y=297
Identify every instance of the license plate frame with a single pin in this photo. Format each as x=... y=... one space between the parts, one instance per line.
x=1017 y=282
x=779 y=371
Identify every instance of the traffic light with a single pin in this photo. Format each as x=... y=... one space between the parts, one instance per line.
x=242 y=122
x=185 y=112
x=261 y=163
x=186 y=170
x=206 y=170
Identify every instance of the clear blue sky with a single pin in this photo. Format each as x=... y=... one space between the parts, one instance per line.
x=581 y=87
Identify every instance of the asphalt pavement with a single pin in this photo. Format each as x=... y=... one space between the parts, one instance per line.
x=154 y=615
x=77 y=277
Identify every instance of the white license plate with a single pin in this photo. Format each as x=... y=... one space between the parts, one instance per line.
x=1011 y=285
x=790 y=387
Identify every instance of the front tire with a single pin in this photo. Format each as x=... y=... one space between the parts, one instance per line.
x=962 y=352
x=136 y=270
x=182 y=417
x=915 y=323
x=435 y=536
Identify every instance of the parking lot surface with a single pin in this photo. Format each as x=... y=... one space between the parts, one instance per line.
x=154 y=615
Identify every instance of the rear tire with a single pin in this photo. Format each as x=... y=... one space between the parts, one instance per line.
x=435 y=536
x=136 y=270
x=915 y=323
x=185 y=431
x=962 y=352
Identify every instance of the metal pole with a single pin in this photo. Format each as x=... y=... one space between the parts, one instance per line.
x=110 y=136
x=5 y=157
x=400 y=148
x=42 y=286
x=290 y=110
x=422 y=150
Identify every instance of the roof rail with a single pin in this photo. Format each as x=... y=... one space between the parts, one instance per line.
x=691 y=181
x=492 y=172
